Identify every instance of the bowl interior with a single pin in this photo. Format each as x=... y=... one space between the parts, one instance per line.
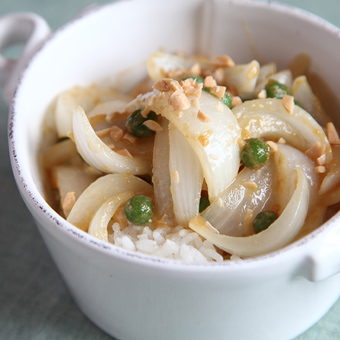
x=103 y=46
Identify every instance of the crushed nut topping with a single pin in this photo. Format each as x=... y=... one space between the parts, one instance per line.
x=288 y=103
x=102 y=133
x=321 y=160
x=163 y=85
x=320 y=169
x=316 y=150
x=204 y=138
x=116 y=133
x=262 y=94
x=222 y=61
x=218 y=75
x=203 y=117
x=218 y=91
x=250 y=185
x=177 y=73
x=282 y=141
x=69 y=200
x=273 y=146
x=179 y=101
x=144 y=113
x=209 y=81
x=195 y=70
x=195 y=103
x=152 y=125
x=332 y=134
x=236 y=101
x=130 y=138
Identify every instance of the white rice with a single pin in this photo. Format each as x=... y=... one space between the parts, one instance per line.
x=170 y=243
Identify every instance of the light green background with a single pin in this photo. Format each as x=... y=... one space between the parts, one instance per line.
x=34 y=303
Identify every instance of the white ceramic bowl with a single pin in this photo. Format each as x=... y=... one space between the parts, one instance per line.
x=128 y=295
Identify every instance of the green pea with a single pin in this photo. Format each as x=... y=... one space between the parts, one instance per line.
x=139 y=209
x=204 y=203
x=198 y=79
x=255 y=153
x=275 y=89
x=263 y=220
x=135 y=126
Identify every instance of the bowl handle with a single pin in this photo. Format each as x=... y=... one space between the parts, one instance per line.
x=27 y=28
x=324 y=254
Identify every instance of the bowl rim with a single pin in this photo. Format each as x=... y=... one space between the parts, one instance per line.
x=35 y=200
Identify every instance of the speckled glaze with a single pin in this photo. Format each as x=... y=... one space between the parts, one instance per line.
x=131 y=296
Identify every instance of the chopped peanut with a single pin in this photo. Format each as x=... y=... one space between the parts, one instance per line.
x=204 y=138
x=273 y=146
x=152 y=125
x=262 y=94
x=195 y=70
x=203 y=117
x=288 y=103
x=321 y=160
x=163 y=85
x=332 y=134
x=116 y=133
x=250 y=185
x=236 y=101
x=209 y=81
x=68 y=202
x=179 y=101
x=218 y=75
x=282 y=141
x=130 y=138
x=195 y=103
x=316 y=151
x=144 y=113
x=218 y=91
x=320 y=169
x=102 y=133
x=223 y=61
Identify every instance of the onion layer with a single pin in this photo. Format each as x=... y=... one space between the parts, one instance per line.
x=276 y=236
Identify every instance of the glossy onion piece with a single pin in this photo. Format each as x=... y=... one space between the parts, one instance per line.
x=287 y=160
x=109 y=108
x=99 y=223
x=99 y=191
x=186 y=177
x=227 y=213
x=332 y=178
x=160 y=63
x=161 y=175
x=303 y=93
x=215 y=141
x=283 y=77
x=276 y=236
x=262 y=79
x=86 y=97
x=243 y=77
x=97 y=154
x=268 y=118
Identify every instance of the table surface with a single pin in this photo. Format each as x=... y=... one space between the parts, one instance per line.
x=34 y=302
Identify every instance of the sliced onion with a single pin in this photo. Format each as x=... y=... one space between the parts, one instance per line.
x=60 y=153
x=228 y=212
x=97 y=154
x=303 y=93
x=99 y=191
x=262 y=79
x=86 y=97
x=108 y=108
x=160 y=63
x=283 y=77
x=243 y=77
x=99 y=223
x=186 y=177
x=220 y=155
x=287 y=160
x=276 y=236
x=269 y=119
x=161 y=175
x=332 y=179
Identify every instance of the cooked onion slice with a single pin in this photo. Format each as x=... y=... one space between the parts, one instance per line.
x=160 y=63
x=332 y=179
x=215 y=140
x=262 y=79
x=269 y=119
x=109 y=108
x=303 y=93
x=99 y=191
x=97 y=154
x=186 y=177
x=99 y=223
x=86 y=97
x=276 y=236
x=248 y=194
x=243 y=77
x=161 y=175
x=283 y=77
